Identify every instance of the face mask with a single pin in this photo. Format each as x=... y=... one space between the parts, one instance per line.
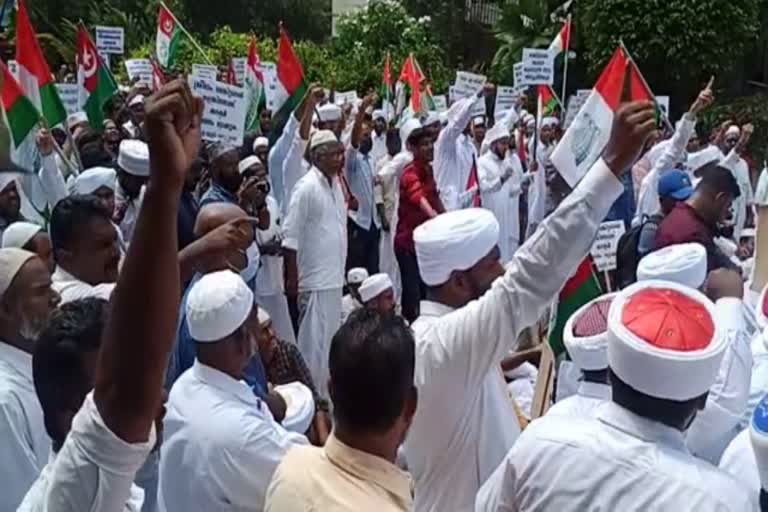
x=252 y=267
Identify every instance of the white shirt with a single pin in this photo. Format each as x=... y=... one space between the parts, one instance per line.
x=583 y=404
x=293 y=167
x=739 y=461
x=359 y=170
x=70 y=288
x=131 y=215
x=715 y=426
x=269 y=280
x=24 y=443
x=615 y=461
x=758 y=386
x=277 y=155
x=379 y=149
x=348 y=305
x=465 y=420
x=648 y=200
x=221 y=445
x=501 y=183
x=93 y=471
x=316 y=228
x=454 y=154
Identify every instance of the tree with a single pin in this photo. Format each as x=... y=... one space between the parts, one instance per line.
x=677 y=45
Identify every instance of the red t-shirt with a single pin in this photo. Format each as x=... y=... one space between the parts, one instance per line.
x=417 y=182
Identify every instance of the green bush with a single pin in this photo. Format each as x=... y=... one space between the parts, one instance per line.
x=748 y=109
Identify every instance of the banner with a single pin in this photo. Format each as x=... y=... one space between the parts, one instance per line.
x=238 y=64
x=110 y=40
x=343 y=98
x=606 y=244
x=224 y=112
x=574 y=105
x=469 y=84
x=506 y=97
x=269 y=72
x=538 y=67
x=441 y=102
x=518 y=76
x=140 y=69
x=205 y=71
x=70 y=97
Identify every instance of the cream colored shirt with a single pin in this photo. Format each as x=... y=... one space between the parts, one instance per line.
x=337 y=478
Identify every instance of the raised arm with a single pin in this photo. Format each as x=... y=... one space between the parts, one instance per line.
x=141 y=327
x=480 y=334
x=357 y=128
x=51 y=180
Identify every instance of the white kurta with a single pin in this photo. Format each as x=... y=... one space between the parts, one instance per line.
x=277 y=155
x=715 y=426
x=221 y=444
x=131 y=215
x=673 y=152
x=390 y=173
x=24 y=443
x=739 y=461
x=71 y=288
x=500 y=187
x=744 y=201
x=454 y=153
x=616 y=461
x=316 y=228
x=292 y=169
x=386 y=193
x=465 y=420
x=93 y=471
x=588 y=397
x=269 y=280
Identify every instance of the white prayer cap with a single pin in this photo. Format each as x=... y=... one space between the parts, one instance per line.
x=92 y=179
x=356 y=275
x=247 y=162
x=408 y=128
x=530 y=121
x=733 y=130
x=685 y=264
x=321 y=137
x=378 y=114
x=499 y=131
x=375 y=286
x=19 y=234
x=300 y=406
x=11 y=261
x=432 y=118
x=76 y=118
x=758 y=435
x=586 y=334
x=549 y=122
x=133 y=157
x=478 y=121
x=328 y=112
x=218 y=304
x=263 y=316
x=137 y=100
x=453 y=241
x=260 y=142
x=663 y=340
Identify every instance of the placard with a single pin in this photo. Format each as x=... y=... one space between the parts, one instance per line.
x=606 y=244
x=269 y=72
x=517 y=71
x=538 y=67
x=205 y=71
x=139 y=68
x=441 y=102
x=663 y=102
x=13 y=67
x=70 y=97
x=506 y=97
x=110 y=39
x=469 y=84
x=224 y=111
x=342 y=98
x=574 y=105
x=238 y=64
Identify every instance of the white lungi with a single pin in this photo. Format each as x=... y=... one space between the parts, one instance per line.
x=320 y=312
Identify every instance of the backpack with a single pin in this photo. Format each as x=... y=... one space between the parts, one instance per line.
x=628 y=253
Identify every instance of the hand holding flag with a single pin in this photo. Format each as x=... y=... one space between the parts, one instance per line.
x=633 y=124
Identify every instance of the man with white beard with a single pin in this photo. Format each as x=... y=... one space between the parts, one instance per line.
x=26 y=300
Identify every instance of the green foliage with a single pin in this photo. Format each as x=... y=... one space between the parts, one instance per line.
x=748 y=109
x=677 y=44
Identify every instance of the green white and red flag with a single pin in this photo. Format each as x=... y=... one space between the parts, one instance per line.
x=168 y=37
x=291 y=84
x=254 y=88
x=20 y=115
x=95 y=81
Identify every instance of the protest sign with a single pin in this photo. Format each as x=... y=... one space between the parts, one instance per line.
x=238 y=64
x=574 y=105
x=538 y=67
x=205 y=71
x=517 y=71
x=606 y=243
x=663 y=102
x=269 y=72
x=506 y=97
x=70 y=97
x=469 y=84
x=110 y=40
x=224 y=112
x=140 y=69
x=441 y=102
x=342 y=98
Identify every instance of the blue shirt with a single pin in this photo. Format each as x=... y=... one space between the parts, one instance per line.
x=624 y=207
x=217 y=194
x=360 y=176
x=183 y=354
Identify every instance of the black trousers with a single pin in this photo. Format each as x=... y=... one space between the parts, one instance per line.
x=362 y=247
x=414 y=289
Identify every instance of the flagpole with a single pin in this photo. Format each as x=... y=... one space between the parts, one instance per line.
x=194 y=42
x=665 y=115
x=565 y=69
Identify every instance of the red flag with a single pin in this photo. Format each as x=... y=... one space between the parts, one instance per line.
x=254 y=62
x=411 y=76
x=289 y=70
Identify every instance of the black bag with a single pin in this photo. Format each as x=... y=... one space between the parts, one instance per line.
x=628 y=253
